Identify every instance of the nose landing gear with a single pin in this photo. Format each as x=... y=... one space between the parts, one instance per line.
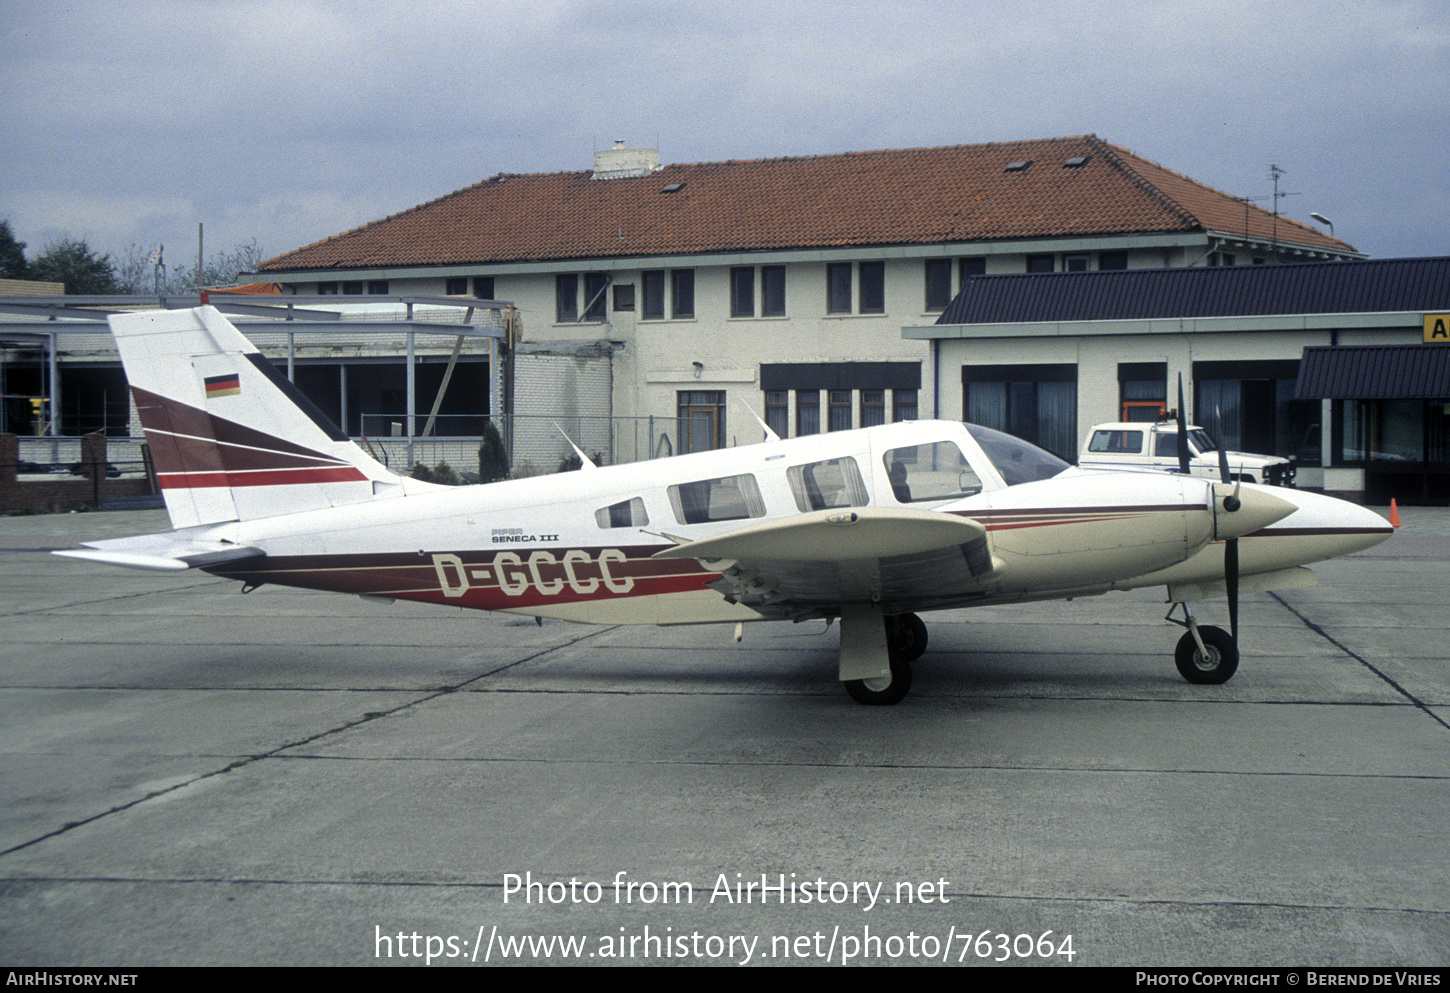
x=1205 y=655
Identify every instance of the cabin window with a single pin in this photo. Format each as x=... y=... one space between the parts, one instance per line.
x=730 y=498
x=823 y=485
x=934 y=472
x=625 y=514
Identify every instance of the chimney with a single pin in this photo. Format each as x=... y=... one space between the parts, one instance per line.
x=620 y=162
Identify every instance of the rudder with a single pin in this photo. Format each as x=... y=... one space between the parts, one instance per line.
x=231 y=438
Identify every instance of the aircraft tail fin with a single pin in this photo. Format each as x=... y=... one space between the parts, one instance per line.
x=231 y=438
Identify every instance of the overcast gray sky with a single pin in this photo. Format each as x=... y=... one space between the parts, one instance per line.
x=287 y=122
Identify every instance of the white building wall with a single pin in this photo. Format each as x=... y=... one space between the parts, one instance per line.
x=561 y=392
x=653 y=361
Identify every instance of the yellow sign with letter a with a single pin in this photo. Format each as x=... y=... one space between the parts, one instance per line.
x=1437 y=329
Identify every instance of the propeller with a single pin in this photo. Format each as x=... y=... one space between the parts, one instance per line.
x=1231 y=503
x=1182 y=433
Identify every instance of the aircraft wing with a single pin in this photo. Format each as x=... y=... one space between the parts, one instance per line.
x=899 y=558
x=163 y=552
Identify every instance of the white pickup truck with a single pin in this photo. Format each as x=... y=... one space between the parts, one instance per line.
x=1154 y=447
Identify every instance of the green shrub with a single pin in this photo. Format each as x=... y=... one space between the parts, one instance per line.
x=493 y=462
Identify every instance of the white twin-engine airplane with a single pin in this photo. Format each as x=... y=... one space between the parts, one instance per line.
x=868 y=526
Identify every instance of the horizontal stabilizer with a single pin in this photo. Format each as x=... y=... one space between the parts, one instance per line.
x=161 y=552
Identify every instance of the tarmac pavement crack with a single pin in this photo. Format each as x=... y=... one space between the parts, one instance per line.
x=275 y=750
x=1383 y=676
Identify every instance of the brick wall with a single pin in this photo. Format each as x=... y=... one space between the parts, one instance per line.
x=60 y=493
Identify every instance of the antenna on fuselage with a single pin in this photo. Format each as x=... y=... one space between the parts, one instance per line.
x=769 y=434
x=585 y=462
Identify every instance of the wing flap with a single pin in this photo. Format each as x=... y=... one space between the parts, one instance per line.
x=161 y=552
x=836 y=535
x=809 y=565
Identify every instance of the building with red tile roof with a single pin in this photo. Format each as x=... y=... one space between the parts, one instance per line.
x=1060 y=188
x=782 y=285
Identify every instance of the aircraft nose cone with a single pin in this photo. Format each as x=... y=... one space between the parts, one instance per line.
x=1257 y=509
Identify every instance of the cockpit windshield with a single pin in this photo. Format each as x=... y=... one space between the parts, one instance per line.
x=1018 y=461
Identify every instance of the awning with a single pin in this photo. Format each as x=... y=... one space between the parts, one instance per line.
x=1374 y=372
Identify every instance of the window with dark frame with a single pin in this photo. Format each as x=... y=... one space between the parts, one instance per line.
x=838 y=288
x=378 y=287
x=624 y=297
x=777 y=412
x=873 y=287
x=1112 y=261
x=903 y=405
x=701 y=420
x=938 y=284
x=1037 y=403
x=772 y=291
x=455 y=287
x=742 y=292
x=483 y=287
x=566 y=298
x=838 y=410
x=1040 y=263
x=975 y=266
x=654 y=295
x=807 y=412
x=873 y=408
x=683 y=293
x=595 y=285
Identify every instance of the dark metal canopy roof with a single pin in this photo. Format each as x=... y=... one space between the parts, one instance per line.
x=1371 y=286
x=1374 y=372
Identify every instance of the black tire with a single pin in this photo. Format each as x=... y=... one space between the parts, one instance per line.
x=907 y=636
x=882 y=696
x=1220 y=664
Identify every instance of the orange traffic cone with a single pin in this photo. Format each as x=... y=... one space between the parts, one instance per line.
x=1394 y=513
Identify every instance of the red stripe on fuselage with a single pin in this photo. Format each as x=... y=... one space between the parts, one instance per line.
x=489 y=580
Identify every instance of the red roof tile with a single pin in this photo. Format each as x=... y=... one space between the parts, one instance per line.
x=913 y=196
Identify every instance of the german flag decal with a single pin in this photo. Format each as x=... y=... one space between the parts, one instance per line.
x=228 y=385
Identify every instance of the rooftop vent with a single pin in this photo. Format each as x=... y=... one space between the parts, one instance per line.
x=620 y=162
x=673 y=188
x=1076 y=162
x=1018 y=166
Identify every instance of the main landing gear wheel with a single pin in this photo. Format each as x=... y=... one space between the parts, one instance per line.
x=906 y=634
x=883 y=691
x=1218 y=666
